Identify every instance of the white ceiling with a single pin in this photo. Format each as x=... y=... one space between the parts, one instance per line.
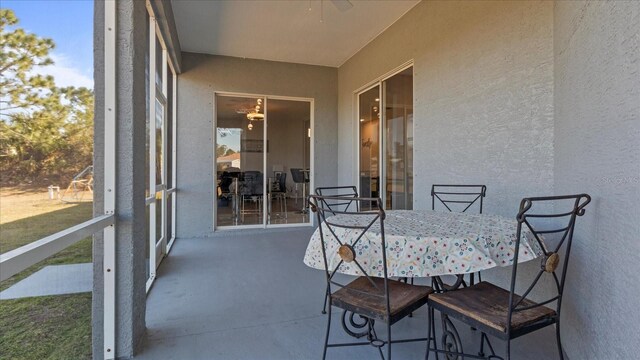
x=284 y=30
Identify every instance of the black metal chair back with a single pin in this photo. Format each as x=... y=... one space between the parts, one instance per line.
x=346 y=195
x=281 y=180
x=456 y=196
x=330 y=225
x=251 y=183
x=225 y=182
x=543 y=225
x=297 y=175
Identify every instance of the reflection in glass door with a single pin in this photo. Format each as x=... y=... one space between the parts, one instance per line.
x=240 y=160
x=397 y=97
x=386 y=117
x=369 y=105
x=263 y=150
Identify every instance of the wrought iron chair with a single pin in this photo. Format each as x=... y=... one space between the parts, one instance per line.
x=347 y=194
x=503 y=313
x=374 y=297
x=458 y=198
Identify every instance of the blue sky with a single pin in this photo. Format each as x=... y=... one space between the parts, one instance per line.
x=70 y=24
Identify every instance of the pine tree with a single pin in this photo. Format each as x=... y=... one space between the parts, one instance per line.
x=46 y=132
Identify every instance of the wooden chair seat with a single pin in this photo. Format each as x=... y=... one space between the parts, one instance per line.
x=359 y=296
x=487 y=306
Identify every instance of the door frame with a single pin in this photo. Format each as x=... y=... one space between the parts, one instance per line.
x=266 y=98
x=383 y=122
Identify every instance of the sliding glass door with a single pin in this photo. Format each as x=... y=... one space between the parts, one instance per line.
x=386 y=140
x=263 y=153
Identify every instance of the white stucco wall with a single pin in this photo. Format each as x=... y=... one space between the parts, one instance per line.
x=205 y=74
x=483 y=97
x=597 y=151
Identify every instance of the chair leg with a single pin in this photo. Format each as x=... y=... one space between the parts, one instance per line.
x=389 y=340
x=431 y=322
x=326 y=339
x=429 y=334
x=410 y=314
x=508 y=355
x=324 y=307
x=558 y=340
x=285 y=206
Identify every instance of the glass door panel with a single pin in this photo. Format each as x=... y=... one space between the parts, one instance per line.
x=159 y=199
x=288 y=160
x=386 y=141
x=397 y=95
x=369 y=143
x=240 y=182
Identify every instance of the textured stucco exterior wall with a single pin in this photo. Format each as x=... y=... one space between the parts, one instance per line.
x=205 y=74
x=597 y=151
x=483 y=97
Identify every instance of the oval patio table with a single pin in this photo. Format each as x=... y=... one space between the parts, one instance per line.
x=422 y=243
x=425 y=243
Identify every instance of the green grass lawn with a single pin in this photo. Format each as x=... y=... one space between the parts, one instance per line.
x=47 y=327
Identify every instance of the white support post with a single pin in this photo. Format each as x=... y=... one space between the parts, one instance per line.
x=165 y=116
x=265 y=197
x=109 y=256
x=174 y=154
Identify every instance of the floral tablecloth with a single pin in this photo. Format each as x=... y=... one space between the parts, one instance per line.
x=423 y=243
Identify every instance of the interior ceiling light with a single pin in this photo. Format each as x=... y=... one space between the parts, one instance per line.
x=255 y=114
x=250 y=126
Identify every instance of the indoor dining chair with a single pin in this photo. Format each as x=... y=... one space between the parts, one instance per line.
x=251 y=191
x=372 y=296
x=346 y=195
x=503 y=313
x=278 y=191
x=300 y=176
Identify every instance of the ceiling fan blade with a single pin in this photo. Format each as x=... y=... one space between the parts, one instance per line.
x=342 y=5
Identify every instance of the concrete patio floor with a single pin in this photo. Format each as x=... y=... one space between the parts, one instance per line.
x=248 y=295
